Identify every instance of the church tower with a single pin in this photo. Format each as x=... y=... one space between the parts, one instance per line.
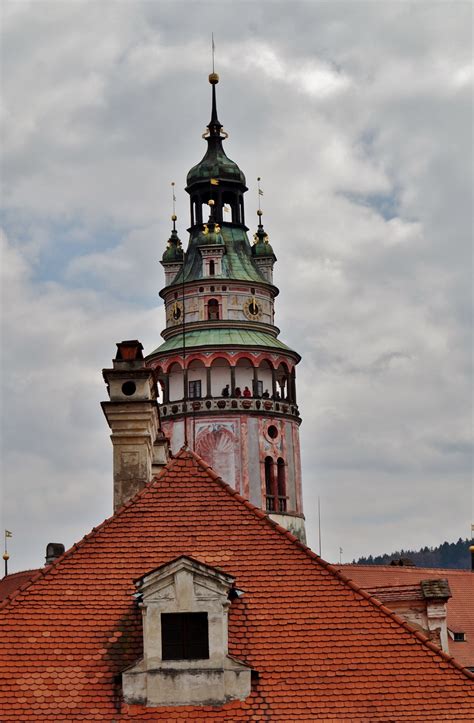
x=227 y=382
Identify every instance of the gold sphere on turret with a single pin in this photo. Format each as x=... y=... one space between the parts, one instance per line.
x=213 y=79
x=174 y=217
x=6 y=556
x=210 y=202
x=259 y=212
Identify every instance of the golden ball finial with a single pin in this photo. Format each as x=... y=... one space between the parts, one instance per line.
x=259 y=212
x=210 y=202
x=174 y=217
x=6 y=556
x=213 y=79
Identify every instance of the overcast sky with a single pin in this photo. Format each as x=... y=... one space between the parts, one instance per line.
x=358 y=118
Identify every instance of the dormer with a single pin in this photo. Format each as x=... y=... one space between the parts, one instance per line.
x=185 y=660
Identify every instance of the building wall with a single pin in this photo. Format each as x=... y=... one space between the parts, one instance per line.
x=235 y=446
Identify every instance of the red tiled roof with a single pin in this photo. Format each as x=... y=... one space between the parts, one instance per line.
x=10 y=583
x=460 y=607
x=323 y=649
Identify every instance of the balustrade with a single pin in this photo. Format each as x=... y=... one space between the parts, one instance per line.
x=272 y=406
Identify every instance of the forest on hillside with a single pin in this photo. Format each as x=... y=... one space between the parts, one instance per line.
x=453 y=555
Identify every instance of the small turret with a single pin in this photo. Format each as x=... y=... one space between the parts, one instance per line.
x=173 y=256
x=262 y=251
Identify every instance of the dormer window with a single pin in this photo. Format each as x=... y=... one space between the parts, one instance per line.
x=184 y=606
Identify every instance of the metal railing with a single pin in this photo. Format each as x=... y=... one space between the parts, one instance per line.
x=278 y=504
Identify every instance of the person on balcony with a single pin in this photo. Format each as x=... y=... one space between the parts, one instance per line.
x=247 y=392
x=226 y=391
x=237 y=392
x=266 y=394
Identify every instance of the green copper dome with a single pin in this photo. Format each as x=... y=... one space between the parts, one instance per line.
x=262 y=245
x=215 y=164
x=173 y=251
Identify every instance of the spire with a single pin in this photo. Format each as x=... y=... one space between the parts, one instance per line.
x=215 y=126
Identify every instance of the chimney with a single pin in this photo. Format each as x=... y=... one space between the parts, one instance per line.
x=53 y=550
x=471 y=550
x=139 y=447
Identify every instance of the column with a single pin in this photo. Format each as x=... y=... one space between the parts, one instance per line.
x=255 y=381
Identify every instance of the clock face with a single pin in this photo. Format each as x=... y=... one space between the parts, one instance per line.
x=176 y=312
x=252 y=309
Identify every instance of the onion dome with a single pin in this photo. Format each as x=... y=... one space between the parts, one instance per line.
x=261 y=246
x=215 y=164
x=174 y=250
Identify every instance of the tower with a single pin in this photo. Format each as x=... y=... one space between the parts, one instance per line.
x=227 y=382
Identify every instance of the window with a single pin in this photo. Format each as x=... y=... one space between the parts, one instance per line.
x=212 y=268
x=184 y=636
x=272 y=431
x=269 y=484
x=213 y=309
x=459 y=637
x=195 y=389
x=281 y=484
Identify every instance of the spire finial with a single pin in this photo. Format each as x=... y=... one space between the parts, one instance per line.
x=174 y=216
x=213 y=51
x=259 y=195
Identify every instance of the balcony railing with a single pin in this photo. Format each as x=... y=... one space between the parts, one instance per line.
x=215 y=404
x=278 y=504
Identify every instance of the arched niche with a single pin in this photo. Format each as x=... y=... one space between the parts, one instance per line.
x=220 y=376
x=196 y=379
x=161 y=384
x=265 y=378
x=282 y=378
x=244 y=375
x=176 y=382
x=213 y=311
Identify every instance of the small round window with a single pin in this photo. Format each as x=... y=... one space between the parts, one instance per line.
x=272 y=431
x=129 y=388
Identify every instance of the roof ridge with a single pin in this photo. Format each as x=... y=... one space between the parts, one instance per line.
x=330 y=568
x=405 y=568
x=42 y=571
x=187 y=453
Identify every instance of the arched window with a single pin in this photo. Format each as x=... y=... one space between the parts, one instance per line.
x=281 y=485
x=213 y=309
x=269 y=485
x=212 y=267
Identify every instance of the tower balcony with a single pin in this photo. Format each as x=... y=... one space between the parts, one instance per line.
x=272 y=407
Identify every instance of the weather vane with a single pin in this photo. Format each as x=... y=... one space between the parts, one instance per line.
x=260 y=193
x=173 y=217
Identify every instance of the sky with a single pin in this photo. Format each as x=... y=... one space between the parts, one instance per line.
x=357 y=116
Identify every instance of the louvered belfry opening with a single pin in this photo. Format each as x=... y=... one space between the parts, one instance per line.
x=184 y=636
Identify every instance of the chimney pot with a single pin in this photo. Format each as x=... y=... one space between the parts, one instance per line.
x=53 y=551
x=130 y=350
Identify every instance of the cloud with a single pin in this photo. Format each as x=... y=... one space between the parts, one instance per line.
x=358 y=119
